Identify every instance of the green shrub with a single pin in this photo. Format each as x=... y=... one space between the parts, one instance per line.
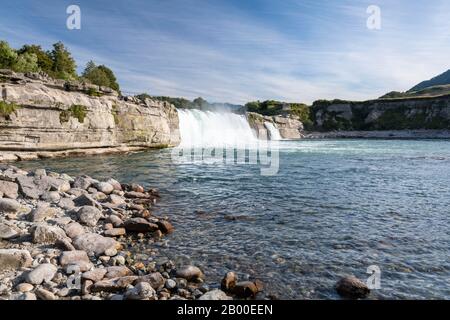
x=6 y=109
x=75 y=111
x=93 y=93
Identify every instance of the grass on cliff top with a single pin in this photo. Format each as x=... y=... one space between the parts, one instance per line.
x=6 y=109
x=75 y=111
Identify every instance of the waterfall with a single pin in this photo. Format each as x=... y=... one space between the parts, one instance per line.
x=273 y=131
x=211 y=129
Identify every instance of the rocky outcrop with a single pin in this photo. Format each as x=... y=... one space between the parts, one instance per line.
x=288 y=126
x=41 y=117
x=427 y=113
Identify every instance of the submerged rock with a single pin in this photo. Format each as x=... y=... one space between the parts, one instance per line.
x=190 y=273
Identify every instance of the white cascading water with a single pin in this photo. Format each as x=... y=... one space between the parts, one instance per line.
x=212 y=129
x=273 y=131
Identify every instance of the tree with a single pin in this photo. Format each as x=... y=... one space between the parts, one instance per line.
x=27 y=62
x=44 y=60
x=8 y=56
x=64 y=65
x=100 y=75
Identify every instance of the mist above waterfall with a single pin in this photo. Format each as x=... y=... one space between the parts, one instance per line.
x=214 y=128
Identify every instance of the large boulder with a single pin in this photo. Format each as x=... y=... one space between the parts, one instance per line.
x=94 y=243
x=142 y=291
x=352 y=288
x=74 y=229
x=43 y=273
x=7 y=232
x=42 y=212
x=9 y=206
x=33 y=187
x=13 y=259
x=9 y=189
x=44 y=233
x=76 y=258
x=89 y=215
x=190 y=273
x=215 y=294
x=139 y=225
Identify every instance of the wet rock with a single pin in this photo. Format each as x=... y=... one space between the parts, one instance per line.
x=74 y=229
x=136 y=195
x=84 y=200
x=13 y=259
x=246 y=289
x=7 y=232
x=78 y=258
x=142 y=291
x=95 y=243
x=229 y=281
x=155 y=279
x=45 y=294
x=170 y=284
x=118 y=272
x=44 y=233
x=351 y=287
x=190 y=273
x=116 y=184
x=165 y=226
x=42 y=212
x=113 y=285
x=104 y=187
x=95 y=275
x=139 y=225
x=9 y=189
x=9 y=206
x=89 y=215
x=43 y=273
x=215 y=294
x=137 y=188
x=115 y=232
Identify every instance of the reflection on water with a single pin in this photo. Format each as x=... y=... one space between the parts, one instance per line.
x=335 y=207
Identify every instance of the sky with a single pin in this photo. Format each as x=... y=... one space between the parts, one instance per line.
x=238 y=51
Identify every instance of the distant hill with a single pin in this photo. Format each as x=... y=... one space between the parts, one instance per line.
x=442 y=79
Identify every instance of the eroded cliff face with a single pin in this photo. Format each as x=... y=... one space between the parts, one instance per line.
x=44 y=116
x=383 y=114
x=289 y=126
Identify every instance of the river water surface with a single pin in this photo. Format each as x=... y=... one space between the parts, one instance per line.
x=335 y=207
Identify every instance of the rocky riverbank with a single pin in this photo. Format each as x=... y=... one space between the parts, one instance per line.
x=74 y=238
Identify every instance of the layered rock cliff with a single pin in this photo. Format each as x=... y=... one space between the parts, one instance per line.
x=41 y=117
x=429 y=113
x=289 y=126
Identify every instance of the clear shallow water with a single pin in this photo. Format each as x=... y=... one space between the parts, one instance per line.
x=334 y=208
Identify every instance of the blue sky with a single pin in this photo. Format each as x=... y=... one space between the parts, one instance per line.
x=237 y=51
